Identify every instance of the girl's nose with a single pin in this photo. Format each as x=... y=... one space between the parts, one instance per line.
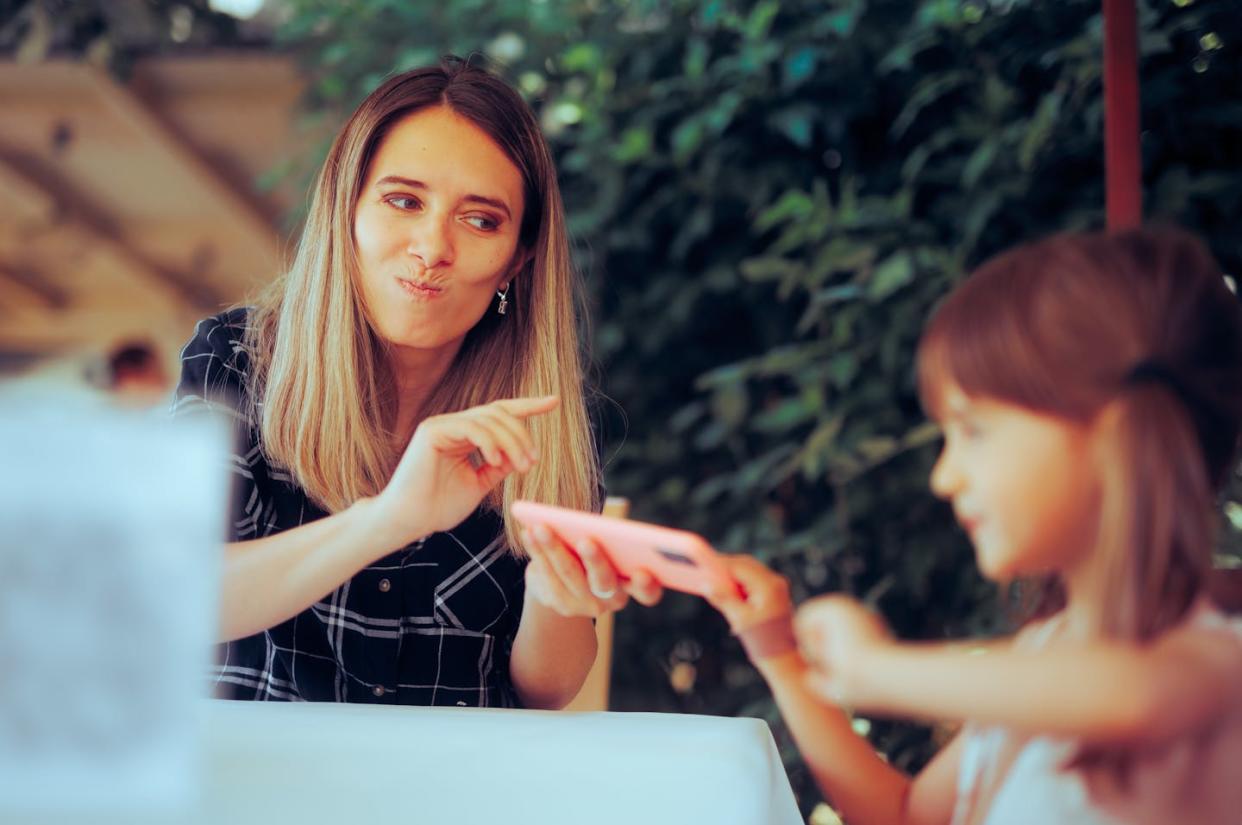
x=945 y=478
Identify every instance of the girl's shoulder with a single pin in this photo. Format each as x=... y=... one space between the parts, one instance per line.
x=1210 y=629
x=1205 y=620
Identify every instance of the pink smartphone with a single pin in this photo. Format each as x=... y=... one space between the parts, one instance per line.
x=677 y=559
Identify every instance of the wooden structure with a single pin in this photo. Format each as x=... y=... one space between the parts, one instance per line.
x=131 y=210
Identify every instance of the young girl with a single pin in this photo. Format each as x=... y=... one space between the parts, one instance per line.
x=416 y=369
x=1090 y=391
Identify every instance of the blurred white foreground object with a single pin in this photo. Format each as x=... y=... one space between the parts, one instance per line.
x=111 y=527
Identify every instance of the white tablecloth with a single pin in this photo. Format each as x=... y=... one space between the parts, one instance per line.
x=354 y=764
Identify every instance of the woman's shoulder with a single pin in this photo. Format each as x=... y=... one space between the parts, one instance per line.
x=220 y=335
x=215 y=361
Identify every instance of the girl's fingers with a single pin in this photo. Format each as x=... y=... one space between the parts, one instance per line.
x=823 y=686
x=812 y=637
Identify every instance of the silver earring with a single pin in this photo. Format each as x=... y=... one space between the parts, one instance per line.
x=504 y=300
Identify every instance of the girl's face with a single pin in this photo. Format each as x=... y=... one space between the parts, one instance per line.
x=1021 y=484
x=436 y=229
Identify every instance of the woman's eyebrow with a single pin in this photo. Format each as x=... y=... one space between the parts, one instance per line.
x=495 y=203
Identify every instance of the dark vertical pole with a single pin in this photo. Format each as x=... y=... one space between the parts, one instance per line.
x=1122 y=160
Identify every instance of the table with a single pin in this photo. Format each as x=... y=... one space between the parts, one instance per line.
x=276 y=763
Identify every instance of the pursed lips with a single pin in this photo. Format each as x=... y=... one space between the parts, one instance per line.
x=420 y=289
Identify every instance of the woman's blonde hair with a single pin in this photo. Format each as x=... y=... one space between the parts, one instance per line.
x=322 y=385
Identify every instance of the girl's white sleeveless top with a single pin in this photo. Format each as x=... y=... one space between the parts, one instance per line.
x=1196 y=780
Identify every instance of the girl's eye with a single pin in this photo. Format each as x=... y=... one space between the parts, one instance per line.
x=403 y=202
x=482 y=222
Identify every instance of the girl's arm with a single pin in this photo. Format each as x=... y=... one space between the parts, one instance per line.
x=1099 y=692
x=863 y=788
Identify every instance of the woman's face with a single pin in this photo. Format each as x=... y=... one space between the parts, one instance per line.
x=436 y=229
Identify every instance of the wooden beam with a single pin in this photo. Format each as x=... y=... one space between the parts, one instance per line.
x=32 y=287
x=25 y=181
x=129 y=108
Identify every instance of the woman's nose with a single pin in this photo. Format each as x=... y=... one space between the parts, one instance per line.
x=431 y=242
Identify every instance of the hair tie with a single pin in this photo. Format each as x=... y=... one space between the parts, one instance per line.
x=1154 y=371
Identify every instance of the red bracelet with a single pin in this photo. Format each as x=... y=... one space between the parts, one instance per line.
x=771 y=638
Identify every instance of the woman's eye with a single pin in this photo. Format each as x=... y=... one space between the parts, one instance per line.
x=482 y=222
x=403 y=202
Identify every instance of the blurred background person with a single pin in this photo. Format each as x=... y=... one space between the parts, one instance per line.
x=135 y=375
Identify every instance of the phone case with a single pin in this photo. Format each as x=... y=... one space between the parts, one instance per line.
x=677 y=559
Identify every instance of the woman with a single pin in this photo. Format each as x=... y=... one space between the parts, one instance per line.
x=415 y=371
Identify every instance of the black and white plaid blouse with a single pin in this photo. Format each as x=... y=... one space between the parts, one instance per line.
x=431 y=624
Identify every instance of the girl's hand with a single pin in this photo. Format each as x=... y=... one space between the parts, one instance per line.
x=836 y=635
x=581 y=581
x=765 y=596
x=453 y=461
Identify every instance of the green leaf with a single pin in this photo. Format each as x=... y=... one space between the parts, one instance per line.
x=1039 y=129
x=760 y=20
x=892 y=274
x=978 y=163
x=582 y=57
x=793 y=204
x=799 y=67
x=795 y=123
x=635 y=144
x=687 y=138
x=926 y=93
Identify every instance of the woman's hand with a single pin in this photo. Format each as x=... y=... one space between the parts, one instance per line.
x=453 y=461
x=837 y=635
x=765 y=594
x=580 y=581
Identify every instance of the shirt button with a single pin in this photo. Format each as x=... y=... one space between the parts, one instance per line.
x=385 y=585
x=378 y=690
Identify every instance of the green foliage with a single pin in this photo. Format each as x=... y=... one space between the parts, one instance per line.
x=768 y=199
x=111 y=33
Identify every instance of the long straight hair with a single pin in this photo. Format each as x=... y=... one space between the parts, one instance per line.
x=1058 y=327
x=322 y=382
